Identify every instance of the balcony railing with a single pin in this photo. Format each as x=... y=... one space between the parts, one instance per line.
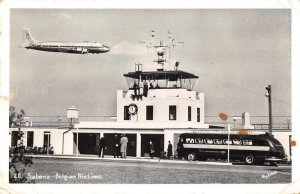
x=259 y=122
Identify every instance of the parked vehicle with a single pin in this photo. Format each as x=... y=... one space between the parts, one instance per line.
x=251 y=149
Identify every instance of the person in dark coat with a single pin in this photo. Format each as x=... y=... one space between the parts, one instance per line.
x=135 y=87
x=179 y=147
x=116 y=144
x=145 y=89
x=151 y=86
x=151 y=149
x=102 y=146
x=170 y=150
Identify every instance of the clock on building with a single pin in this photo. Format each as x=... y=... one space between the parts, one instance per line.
x=132 y=109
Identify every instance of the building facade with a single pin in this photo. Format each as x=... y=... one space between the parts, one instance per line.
x=158 y=106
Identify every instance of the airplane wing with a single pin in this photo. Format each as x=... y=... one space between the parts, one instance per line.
x=74 y=50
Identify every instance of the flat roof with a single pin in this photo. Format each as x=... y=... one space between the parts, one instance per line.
x=161 y=75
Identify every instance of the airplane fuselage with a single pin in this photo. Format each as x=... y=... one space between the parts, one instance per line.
x=69 y=47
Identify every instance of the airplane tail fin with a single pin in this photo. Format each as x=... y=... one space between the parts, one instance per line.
x=28 y=41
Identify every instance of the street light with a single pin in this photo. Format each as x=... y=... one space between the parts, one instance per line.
x=269 y=96
x=224 y=117
x=72 y=116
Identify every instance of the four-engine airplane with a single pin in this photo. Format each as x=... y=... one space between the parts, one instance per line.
x=65 y=47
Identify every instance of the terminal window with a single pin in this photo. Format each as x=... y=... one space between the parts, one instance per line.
x=47 y=138
x=149 y=112
x=189 y=113
x=198 y=114
x=172 y=112
x=14 y=138
x=126 y=113
x=29 y=138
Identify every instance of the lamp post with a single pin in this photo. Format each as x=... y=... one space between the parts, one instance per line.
x=72 y=116
x=224 y=117
x=269 y=96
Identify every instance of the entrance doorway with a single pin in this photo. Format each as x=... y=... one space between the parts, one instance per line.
x=158 y=144
x=14 y=138
x=88 y=143
x=131 y=145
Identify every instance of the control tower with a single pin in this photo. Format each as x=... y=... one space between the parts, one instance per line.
x=161 y=95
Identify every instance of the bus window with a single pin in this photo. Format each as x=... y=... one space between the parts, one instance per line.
x=199 y=140
x=209 y=141
x=260 y=142
x=226 y=142
x=189 y=140
x=218 y=141
x=237 y=142
x=247 y=142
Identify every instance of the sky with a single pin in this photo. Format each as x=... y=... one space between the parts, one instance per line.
x=235 y=53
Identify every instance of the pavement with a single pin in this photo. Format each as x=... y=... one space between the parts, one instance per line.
x=130 y=159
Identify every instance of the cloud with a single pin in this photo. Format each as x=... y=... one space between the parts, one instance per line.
x=127 y=48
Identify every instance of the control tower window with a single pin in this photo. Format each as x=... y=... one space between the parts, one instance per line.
x=172 y=112
x=149 y=112
x=189 y=113
x=198 y=114
x=126 y=113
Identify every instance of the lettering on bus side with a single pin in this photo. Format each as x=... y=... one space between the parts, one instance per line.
x=246 y=142
x=195 y=140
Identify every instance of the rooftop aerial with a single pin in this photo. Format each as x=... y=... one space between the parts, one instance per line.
x=162 y=77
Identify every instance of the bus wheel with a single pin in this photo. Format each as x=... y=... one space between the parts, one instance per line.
x=249 y=159
x=191 y=157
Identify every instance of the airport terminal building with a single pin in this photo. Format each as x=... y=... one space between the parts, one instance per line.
x=158 y=106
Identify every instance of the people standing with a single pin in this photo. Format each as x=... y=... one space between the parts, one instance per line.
x=124 y=142
x=180 y=147
x=151 y=149
x=135 y=88
x=170 y=150
x=116 y=144
x=102 y=147
x=145 y=89
x=151 y=86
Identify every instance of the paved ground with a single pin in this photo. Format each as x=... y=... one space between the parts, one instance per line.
x=127 y=171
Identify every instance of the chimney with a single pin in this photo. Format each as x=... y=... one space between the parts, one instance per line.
x=246 y=121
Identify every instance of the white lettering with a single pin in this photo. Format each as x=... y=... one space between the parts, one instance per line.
x=37 y=176
x=268 y=175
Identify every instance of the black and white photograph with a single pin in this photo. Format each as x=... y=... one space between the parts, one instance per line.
x=150 y=97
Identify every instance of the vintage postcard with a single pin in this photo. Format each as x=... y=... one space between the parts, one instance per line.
x=172 y=98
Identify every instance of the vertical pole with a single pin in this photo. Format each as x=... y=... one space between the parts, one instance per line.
x=228 y=127
x=138 y=145
x=48 y=143
x=270 y=110
x=170 y=42
x=290 y=148
x=77 y=143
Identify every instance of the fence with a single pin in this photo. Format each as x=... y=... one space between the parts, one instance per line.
x=259 y=122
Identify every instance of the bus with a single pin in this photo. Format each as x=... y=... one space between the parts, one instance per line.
x=251 y=149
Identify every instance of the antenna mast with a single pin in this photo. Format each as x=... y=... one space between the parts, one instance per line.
x=161 y=51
